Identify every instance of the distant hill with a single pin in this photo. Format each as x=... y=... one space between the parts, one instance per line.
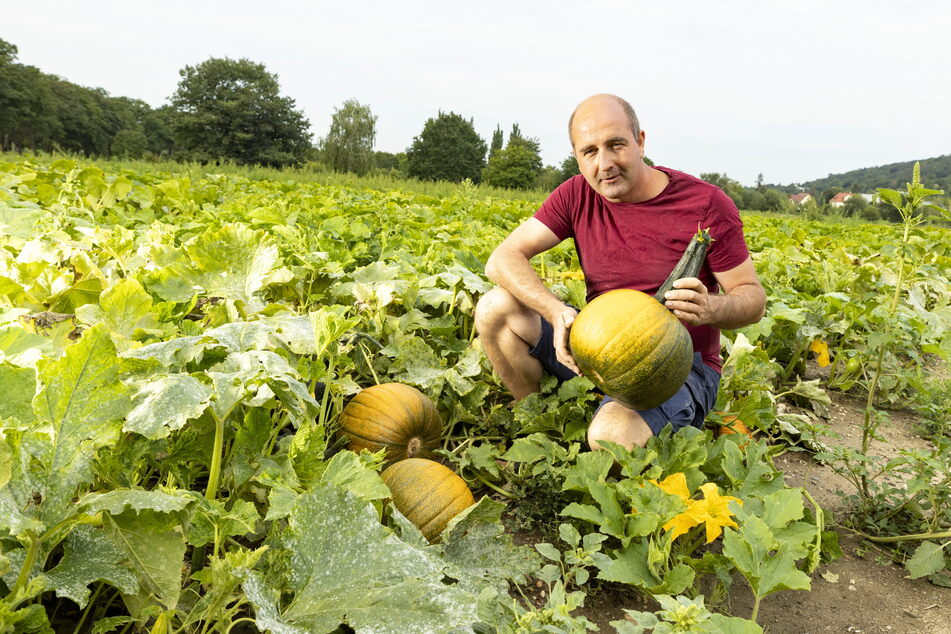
x=935 y=174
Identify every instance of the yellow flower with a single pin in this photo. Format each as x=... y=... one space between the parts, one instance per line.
x=713 y=510
x=675 y=484
x=821 y=348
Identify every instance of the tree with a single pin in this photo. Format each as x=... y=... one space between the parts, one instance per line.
x=348 y=147
x=27 y=109
x=387 y=160
x=233 y=109
x=129 y=142
x=730 y=187
x=516 y=166
x=448 y=148
x=498 y=139
x=855 y=205
x=569 y=168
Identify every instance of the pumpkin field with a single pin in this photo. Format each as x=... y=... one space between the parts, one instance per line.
x=186 y=359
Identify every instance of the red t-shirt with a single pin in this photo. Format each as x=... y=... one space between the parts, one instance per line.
x=637 y=245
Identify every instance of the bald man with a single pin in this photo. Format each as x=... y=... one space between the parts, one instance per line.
x=630 y=223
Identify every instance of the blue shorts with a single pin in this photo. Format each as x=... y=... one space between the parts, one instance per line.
x=689 y=406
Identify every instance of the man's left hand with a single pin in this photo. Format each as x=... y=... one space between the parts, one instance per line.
x=690 y=302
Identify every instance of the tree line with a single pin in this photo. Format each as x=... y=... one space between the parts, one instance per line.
x=233 y=110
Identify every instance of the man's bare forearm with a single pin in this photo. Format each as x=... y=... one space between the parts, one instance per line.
x=742 y=306
x=512 y=271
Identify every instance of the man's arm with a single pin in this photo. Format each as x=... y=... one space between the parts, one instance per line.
x=509 y=267
x=742 y=302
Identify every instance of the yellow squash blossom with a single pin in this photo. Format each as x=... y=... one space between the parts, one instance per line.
x=821 y=348
x=675 y=484
x=713 y=510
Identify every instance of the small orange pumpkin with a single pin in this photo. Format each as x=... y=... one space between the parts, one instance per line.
x=427 y=493
x=733 y=425
x=395 y=417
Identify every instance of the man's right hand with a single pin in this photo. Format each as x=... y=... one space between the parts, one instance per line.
x=561 y=326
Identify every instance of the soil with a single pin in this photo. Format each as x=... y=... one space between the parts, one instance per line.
x=862 y=592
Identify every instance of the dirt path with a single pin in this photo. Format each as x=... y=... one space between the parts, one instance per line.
x=859 y=593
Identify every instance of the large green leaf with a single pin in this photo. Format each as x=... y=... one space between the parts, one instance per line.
x=83 y=402
x=165 y=404
x=17 y=385
x=928 y=559
x=89 y=556
x=234 y=262
x=126 y=309
x=767 y=565
x=118 y=500
x=154 y=546
x=343 y=566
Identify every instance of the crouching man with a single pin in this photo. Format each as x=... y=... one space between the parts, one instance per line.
x=631 y=223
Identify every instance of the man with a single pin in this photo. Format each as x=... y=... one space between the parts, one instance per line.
x=631 y=223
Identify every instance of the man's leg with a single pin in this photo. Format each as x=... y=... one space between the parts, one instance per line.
x=508 y=330
x=687 y=408
x=618 y=424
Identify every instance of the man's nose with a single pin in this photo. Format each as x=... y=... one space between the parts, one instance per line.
x=605 y=161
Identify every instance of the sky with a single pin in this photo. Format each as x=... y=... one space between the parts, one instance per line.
x=792 y=90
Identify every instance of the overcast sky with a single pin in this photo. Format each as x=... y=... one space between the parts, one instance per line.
x=794 y=90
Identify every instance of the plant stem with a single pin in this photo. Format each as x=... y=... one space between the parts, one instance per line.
x=31 y=554
x=902 y=538
x=756 y=601
x=215 y=469
x=868 y=428
x=493 y=487
x=89 y=604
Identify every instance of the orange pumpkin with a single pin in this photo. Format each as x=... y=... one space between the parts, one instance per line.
x=733 y=425
x=632 y=348
x=395 y=417
x=427 y=493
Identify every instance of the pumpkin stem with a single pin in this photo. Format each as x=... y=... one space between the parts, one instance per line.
x=413 y=447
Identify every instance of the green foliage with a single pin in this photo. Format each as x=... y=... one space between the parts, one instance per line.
x=232 y=109
x=682 y=614
x=130 y=143
x=892 y=175
x=517 y=165
x=163 y=335
x=448 y=148
x=348 y=146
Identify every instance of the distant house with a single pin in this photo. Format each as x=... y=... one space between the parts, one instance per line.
x=839 y=199
x=801 y=199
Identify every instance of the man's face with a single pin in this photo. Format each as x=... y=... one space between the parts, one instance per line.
x=609 y=156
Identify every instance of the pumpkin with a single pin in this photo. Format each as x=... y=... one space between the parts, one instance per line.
x=733 y=425
x=427 y=493
x=395 y=417
x=631 y=346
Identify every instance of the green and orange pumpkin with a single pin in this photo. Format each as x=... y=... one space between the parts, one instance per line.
x=395 y=417
x=631 y=346
x=427 y=493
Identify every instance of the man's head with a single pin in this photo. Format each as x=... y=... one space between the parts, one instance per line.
x=609 y=145
x=625 y=106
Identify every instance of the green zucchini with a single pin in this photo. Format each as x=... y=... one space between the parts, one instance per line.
x=690 y=262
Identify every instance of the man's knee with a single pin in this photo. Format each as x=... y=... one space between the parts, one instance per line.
x=618 y=424
x=491 y=310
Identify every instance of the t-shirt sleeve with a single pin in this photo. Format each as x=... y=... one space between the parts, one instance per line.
x=557 y=210
x=729 y=248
